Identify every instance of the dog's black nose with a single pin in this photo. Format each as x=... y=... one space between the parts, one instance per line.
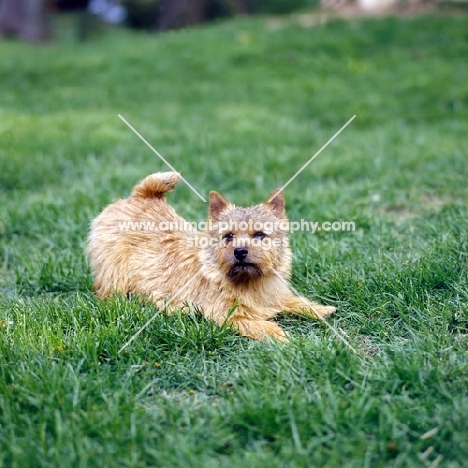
x=240 y=253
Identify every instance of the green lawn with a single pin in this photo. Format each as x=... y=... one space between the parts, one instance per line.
x=239 y=107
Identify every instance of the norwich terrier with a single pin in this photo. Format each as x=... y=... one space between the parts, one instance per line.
x=236 y=269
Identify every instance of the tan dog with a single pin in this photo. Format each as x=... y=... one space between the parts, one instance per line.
x=237 y=269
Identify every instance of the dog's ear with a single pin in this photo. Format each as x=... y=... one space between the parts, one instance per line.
x=217 y=205
x=275 y=202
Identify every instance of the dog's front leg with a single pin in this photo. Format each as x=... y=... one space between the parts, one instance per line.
x=259 y=329
x=303 y=306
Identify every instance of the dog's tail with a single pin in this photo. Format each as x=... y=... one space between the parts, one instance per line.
x=156 y=185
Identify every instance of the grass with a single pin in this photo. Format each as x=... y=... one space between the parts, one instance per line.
x=238 y=107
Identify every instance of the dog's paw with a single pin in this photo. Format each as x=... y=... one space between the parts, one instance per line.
x=261 y=330
x=323 y=312
x=273 y=331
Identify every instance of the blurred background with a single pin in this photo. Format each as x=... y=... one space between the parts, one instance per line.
x=36 y=20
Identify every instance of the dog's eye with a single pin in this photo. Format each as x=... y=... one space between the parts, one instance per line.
x=228 y=237
x=259 y=235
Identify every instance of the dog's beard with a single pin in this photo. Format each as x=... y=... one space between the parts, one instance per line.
x=243 y=272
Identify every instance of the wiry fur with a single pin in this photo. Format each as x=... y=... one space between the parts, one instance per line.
x=171 y=269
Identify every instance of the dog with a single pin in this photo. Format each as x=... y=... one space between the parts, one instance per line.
x=236 y=269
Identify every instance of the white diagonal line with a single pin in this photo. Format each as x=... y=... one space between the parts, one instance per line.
x=160 y=157
x=312 y=158
x=156 y=314
x=333 y=329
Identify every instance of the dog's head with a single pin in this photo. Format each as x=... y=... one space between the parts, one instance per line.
x=246 y=244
